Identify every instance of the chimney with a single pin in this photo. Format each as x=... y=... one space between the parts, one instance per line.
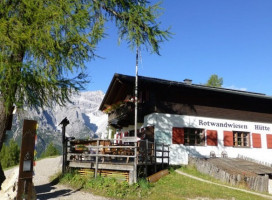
x=187 y=81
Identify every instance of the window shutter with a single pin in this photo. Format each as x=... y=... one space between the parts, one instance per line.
x=228 y=138
x=269 y=141
x=211 y=137
x=256 y=139
x=178 y=136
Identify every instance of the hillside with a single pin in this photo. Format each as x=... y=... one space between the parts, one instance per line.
x=86 y=121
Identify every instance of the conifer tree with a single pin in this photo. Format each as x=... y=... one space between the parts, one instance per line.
x=3 y=154
x=50 y=150
x=9 y=155
x=42 y=41
x=215 y=81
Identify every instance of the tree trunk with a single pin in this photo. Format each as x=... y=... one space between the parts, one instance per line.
x=5 y=124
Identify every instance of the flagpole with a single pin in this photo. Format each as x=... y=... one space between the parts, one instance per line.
x=136 y=115
x=136 y=95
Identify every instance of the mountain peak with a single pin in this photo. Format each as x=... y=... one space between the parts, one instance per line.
x=86 y=121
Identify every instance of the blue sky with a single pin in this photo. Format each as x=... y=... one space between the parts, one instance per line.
x=230 y=38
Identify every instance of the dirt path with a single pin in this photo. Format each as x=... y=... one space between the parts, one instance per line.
x=233 y=188
x=46 y=190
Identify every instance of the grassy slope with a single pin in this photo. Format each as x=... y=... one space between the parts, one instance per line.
x=175 y=186
x=171 y=187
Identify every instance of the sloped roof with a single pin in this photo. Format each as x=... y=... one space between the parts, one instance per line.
x=126 y=79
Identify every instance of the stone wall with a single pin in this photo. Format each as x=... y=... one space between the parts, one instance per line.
x=253 y=182
x=9 y=186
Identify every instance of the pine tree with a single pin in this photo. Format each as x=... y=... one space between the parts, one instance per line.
x=3 y=156
x=51 y=150
x=9 y=155
x=42 y=41
x=215 y=81
x=14 y=153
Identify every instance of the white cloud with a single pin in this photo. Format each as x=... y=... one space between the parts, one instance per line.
x=233 y=87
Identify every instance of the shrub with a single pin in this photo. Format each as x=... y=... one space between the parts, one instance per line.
x=10 y=154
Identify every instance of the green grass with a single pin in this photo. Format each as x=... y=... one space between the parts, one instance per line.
x=171 y=187
x=193 y=171
x=106 y=186
x=175 y=186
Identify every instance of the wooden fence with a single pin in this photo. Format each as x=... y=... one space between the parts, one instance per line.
x=253 y=182
x=123 y=153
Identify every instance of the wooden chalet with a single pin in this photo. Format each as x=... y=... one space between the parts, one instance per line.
x=176 y=120
x=195 y=120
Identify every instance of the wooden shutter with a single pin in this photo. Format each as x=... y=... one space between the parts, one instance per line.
x=211 y=137
x=256 y=139
x=178 y=136
x=228 y=138
x=269 y=141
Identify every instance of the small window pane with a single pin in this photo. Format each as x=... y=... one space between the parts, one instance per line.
x=194 y=137
x=240 y=139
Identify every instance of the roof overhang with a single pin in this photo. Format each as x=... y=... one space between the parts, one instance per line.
x=120 y=82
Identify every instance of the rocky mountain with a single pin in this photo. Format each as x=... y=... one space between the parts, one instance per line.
x=86 y=121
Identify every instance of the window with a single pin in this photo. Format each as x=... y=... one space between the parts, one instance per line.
x=194 y=137
x=256 y=140
x=240 y=139
x=188 y=136
x=236 y=139
x=211 y=138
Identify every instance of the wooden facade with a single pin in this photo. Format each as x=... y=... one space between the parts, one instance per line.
x=162 y=96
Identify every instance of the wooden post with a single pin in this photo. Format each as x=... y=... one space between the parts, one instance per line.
x=96 y=158
x=146 y=155
x=64 y=123
x=155 y=155
x=25 y=185
x=135 y=162
x=162 y=154
x=168 y=154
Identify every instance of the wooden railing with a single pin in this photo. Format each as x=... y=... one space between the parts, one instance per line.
x=126 y=151
x=90 y=150
x=152 y=153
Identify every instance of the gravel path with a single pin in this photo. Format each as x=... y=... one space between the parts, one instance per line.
x=46 y=190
